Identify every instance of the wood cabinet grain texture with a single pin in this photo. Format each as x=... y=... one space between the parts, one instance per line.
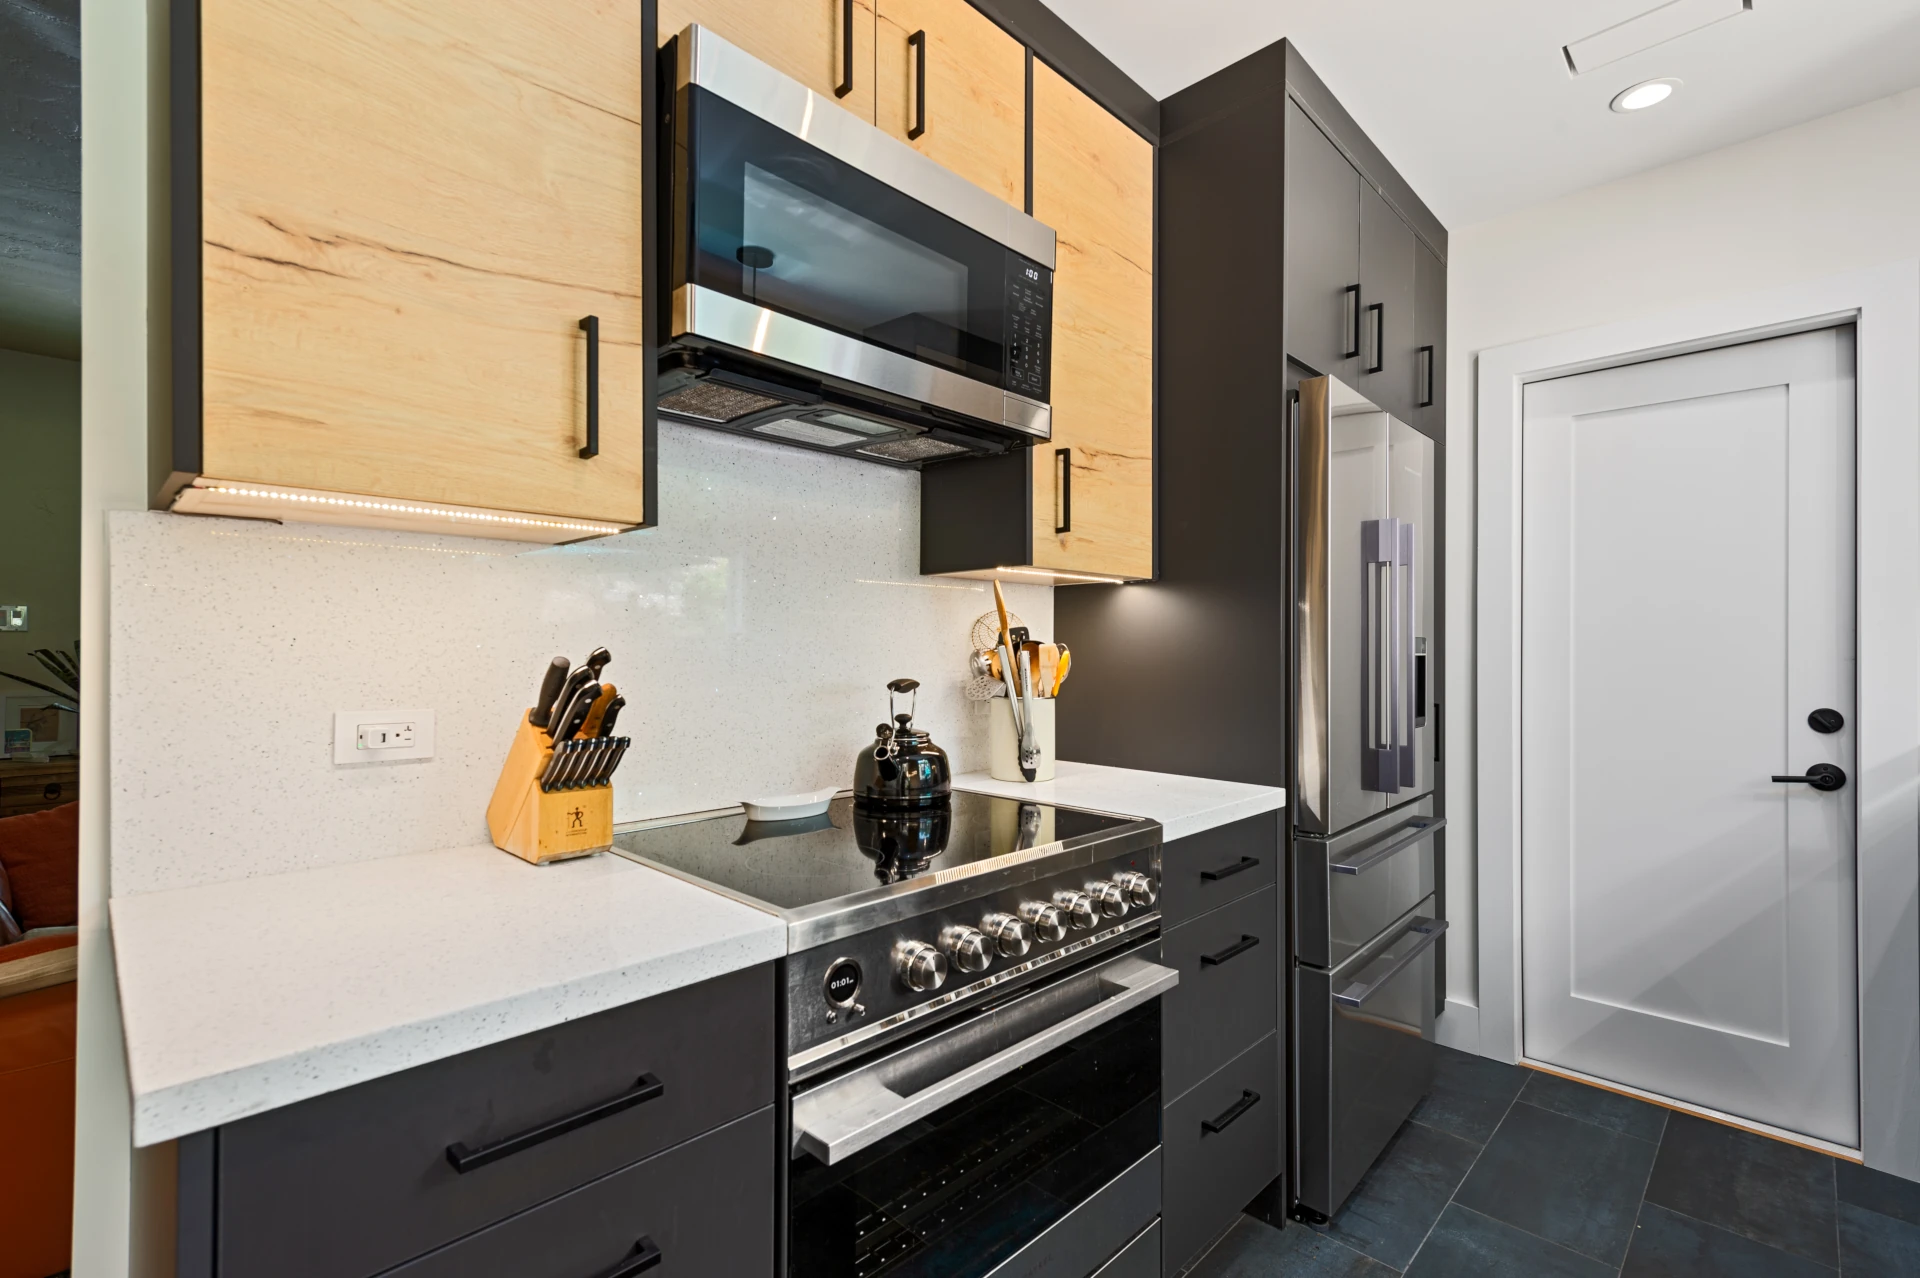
x=407 y=209
x=1093 y=184
x=801 y=38
x=976 y=87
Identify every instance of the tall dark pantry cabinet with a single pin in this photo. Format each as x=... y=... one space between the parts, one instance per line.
x=1288 y=248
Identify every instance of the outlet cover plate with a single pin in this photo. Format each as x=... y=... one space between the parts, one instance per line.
x=13 y=616
x=355 y=733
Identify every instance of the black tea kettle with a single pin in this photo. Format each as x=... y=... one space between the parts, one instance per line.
x=903 y=769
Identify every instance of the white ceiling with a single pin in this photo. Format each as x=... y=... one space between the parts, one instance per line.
x=1472 y=101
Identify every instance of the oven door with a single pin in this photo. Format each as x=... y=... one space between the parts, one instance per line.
x=804 y=236
x=1023 y=1139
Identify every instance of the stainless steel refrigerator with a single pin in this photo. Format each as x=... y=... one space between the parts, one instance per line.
x=1365 y=927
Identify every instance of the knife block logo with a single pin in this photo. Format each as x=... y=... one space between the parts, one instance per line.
x=576 y=819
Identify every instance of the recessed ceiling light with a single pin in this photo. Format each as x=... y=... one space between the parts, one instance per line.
x=1644 y=94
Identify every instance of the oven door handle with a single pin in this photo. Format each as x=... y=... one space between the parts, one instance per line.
x=839 y=1119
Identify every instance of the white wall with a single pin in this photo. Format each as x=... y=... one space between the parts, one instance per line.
x=753 y=635
x=39 y=507
x=1832 y=195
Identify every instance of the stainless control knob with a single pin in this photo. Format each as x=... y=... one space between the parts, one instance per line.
x=1108 y=896
x=1047 y=922
x=1078 y=907
x=1140 y=888
x=967 y=948
x=921 y=967
x=1010 y=936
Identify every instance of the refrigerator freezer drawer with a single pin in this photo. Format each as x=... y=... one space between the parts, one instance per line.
x=1364 y=1058
x=1349 y=889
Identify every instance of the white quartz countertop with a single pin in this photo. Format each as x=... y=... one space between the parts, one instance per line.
x=244 y=996
x=1182 y=805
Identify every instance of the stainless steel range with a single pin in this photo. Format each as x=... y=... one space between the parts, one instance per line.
x=972 y=1038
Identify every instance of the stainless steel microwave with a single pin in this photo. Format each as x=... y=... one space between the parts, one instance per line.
x=833 y=288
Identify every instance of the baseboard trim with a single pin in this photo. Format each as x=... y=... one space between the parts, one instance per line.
x=1458 y=1027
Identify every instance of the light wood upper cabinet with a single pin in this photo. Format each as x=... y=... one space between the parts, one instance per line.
x=1093 y=184
x=801 y=38
x=407 y=209
x=973 y=120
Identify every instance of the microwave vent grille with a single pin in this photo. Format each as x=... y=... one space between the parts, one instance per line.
x=713 y=402
x=917 y=448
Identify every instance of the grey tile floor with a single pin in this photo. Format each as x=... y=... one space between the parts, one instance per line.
x=1505 y=1172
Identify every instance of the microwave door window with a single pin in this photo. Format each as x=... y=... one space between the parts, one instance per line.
x=783 y=225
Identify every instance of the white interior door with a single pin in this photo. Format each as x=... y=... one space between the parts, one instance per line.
x=1688 y=579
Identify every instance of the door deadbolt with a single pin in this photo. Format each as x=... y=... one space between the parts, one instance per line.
x=1821 y=776
x=1825 y=720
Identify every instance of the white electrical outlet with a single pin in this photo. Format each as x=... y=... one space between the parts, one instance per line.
x=382 y=736
x=13 y=616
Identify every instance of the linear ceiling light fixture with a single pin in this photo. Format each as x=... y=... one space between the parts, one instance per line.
x=1644 y=94
x=1651 y=29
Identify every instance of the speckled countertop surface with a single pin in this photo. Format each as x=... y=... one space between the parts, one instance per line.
x=244 y=996
x=1183 y=805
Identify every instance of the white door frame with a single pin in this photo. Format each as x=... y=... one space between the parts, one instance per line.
x=1884 y=303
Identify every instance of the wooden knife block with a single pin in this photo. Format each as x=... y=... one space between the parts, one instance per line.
x=541 y=826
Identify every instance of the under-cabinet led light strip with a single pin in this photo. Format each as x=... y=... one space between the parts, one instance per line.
x=409 y=508
x=1071 y=576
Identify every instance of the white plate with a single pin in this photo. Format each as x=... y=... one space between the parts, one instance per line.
x=790 y=807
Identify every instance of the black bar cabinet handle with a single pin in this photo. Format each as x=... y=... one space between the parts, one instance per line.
x=1235 y=950
x=645 y=1256
x=591 y=327
x=1379 y=312
x=845 y=86
x=1427 y=401
x=464 y=1160
x=1214 y=1126
x=1353 y=347
x=1065 y=457
x=1228 y=871
x=918 y=43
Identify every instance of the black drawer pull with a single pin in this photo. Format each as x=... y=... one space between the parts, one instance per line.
x=1426 y=400
x=1352 y=292
x=1235 y=950
x=1214 y=1126
x=464 y=1160
x=645 y=1256
x=1244 y=863
x=591 y=327
x=1379 y=312
x=1065 y=457
x=845 y=86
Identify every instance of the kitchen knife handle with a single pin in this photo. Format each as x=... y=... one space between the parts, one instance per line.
x=845 y=86
x=554 y=680
x=613 y=712
x=1352 y=292
x=918 y=43
x=464 y=1160
x=591 y=327
x=576 y=713
x=597 y=712
x=1065 y=457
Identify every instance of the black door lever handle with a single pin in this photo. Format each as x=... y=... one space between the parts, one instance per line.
x=1821 y=776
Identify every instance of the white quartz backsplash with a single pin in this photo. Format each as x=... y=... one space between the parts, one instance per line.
x=753 y=633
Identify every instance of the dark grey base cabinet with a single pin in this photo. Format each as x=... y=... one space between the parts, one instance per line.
x=1222 y=1129
x=551 y=1153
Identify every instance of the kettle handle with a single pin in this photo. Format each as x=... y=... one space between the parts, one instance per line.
x=903 y=685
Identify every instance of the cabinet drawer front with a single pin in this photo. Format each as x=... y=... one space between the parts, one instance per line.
x=357 y=1181
x=1228 y=995
x=1215 y=1167
x=1206 y=870
x=1348 y=890
x=706 y=1205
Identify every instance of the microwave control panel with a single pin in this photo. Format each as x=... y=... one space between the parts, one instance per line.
x=1029 y=327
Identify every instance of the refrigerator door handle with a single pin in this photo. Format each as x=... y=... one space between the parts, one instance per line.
x=1379 y=658
x=1430 y=930
x=1403 y=711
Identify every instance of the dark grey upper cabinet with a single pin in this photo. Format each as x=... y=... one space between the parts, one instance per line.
x=1387 y=248
x=1430 y=348
x=1323 y=251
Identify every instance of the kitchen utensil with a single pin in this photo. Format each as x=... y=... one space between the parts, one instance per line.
x=577 y=710
x=1049 y=668
x=1029 y=741
x=555 y=765
x=1060 y=676
x=1000 y=605
x=556 y=711
x=550 y=685
x=612 y=713
x=789 y=807
x=1004 y=660
x=598 y=660
x=1003 y=740
x=903 y=769
x=597 y=715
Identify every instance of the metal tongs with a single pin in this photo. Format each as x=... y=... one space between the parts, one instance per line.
x=1019 y=688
